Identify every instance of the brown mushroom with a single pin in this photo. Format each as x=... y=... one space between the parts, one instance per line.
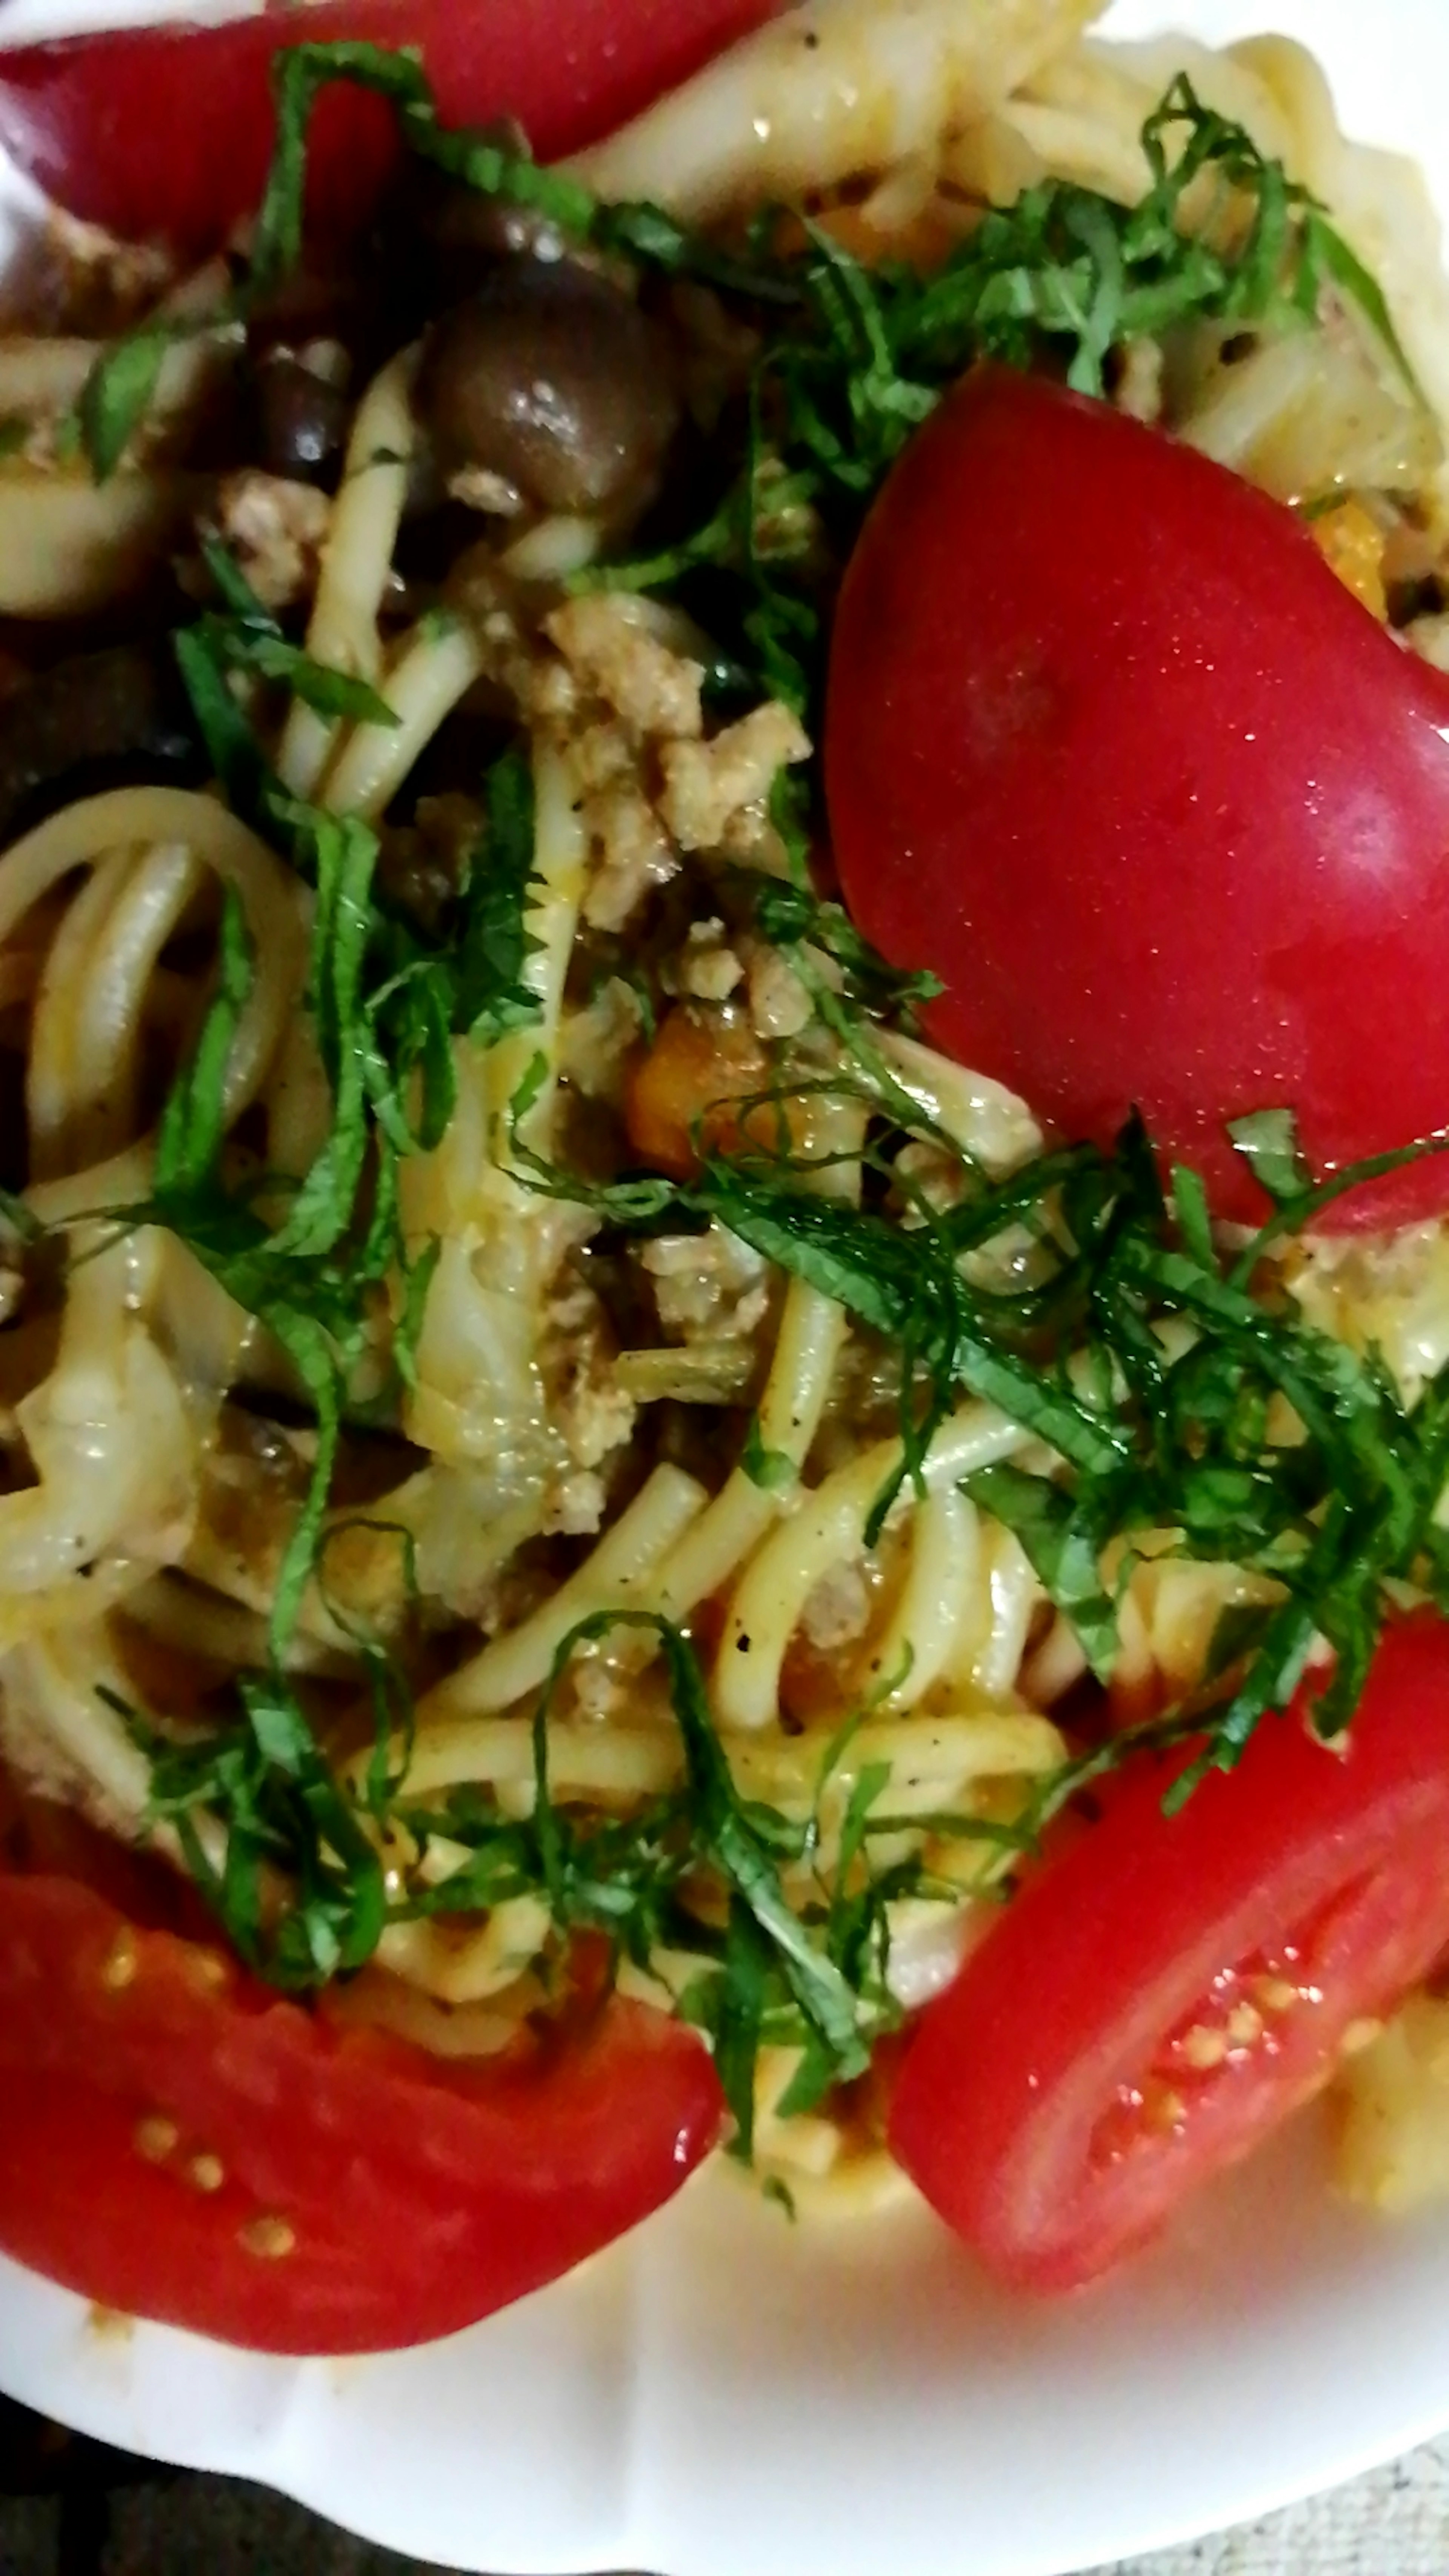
x=304 y=420
x=549 y=378
x=95 y=720
x=462 y=231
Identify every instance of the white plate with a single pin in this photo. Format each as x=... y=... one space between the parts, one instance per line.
x=721 y=2393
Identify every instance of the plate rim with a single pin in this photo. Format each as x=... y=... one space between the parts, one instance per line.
x=282 y=2449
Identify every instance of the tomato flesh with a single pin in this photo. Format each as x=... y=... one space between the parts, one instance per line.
x=179 y=2143
x=1111 y=748
x=82 y=116
x=1166 y=1990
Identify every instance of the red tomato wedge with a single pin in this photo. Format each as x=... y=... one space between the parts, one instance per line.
x=1167 y=1989
x=168 y=131
x=178 y=2143
x=1112 y=750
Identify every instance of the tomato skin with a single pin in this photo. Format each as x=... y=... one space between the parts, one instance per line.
x=1014 y=2112
x=416 y=2195
x=1112 y=750
x=82 y=115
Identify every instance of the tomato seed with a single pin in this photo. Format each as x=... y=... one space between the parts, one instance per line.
x=1163 y=2108
x=156 y=2139
x=208 y=2173
x=1275 y=1994
x=270 y=2239
x=1245 y=2025
x=118 y=1969
x=1204 y=2048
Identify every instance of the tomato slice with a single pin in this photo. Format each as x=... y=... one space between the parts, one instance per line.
x=1112 y=750
x=1166 y=1990
x=82 y=116
x=178 y=2143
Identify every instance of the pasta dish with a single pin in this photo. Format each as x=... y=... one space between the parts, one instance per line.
x=725 y=1304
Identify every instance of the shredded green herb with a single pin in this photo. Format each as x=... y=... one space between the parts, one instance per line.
x=867 y=353
x=299 y=1884
x=773 y=1470
x=284 y=1821
x=247 y=637
x=793 y=919
x=121 y=388
x=1165 y=1398
x=309 y=1255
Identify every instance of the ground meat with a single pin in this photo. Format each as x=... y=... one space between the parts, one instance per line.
x=780 y=1007
x=594 y=1414
x=540 y=684
x=629 y=706
x=708 y=970
x=604 y=756
x=716 y=794
x=930 y=1172
x=632 y=854
x=574 y=1506
x=75 y=279
x=607 y=644
x=706 y=1286
x=603 y=1686
x=837 y=1610
x=492 y=494
x=596 y=1042
x=276 y=530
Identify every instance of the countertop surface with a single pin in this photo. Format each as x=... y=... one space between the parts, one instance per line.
x=1394 y=2523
